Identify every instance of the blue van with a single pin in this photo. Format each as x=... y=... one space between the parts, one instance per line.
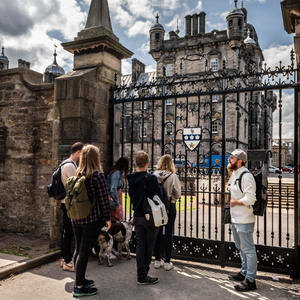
x=215 y=163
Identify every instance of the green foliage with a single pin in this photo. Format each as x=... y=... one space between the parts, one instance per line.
x=16 y=250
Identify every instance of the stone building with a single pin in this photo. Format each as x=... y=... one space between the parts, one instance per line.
x=250 y=118
x=4 y=62
x=39 y=122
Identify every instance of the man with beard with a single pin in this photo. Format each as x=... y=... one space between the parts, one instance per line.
x=243 y=219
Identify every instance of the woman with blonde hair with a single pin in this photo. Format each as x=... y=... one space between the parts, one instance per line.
x=86 y=230
x=166 y=174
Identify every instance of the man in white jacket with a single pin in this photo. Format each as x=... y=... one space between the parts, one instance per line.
x=243 y=219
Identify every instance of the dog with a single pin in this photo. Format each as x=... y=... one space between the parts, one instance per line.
x=121 y=233
x=105 y=241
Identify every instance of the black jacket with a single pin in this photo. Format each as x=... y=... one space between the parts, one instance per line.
x=136 y=190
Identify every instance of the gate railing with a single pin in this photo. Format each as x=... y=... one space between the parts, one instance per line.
x=145 y=120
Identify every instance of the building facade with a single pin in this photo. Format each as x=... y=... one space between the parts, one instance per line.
x=189 y=57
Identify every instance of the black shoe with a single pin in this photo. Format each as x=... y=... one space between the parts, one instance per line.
x=237 y=277
x=148 y=280
x=84 y=291
x=88 y=282
x=246 y=286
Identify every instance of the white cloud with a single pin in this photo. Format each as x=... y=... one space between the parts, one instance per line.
x=287 y=115
x=38 y=22
x=139 y=27
x=126 y=67
x=145 y=47
x=277 y=53
x=150 y=68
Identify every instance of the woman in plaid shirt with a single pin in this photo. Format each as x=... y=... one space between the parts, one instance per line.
x=87 y=230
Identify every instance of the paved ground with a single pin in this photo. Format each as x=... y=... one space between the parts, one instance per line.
x=185 y=281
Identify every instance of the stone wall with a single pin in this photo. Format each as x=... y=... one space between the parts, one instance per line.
x=26 y=110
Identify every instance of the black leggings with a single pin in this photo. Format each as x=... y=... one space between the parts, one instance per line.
x=86 y=236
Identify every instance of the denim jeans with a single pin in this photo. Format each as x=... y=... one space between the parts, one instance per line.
x=243 y=238
x=168 y=236
x=145 y=240
x=66 y=236
x=86 y=236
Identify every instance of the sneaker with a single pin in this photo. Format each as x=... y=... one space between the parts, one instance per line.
x=88 y=282
x=68 y=267
x=168 y=266
x=246 y=286
x=237 y=277
x=62 y=262
x=114 y=252
x=148 y=280
x=111 y=256
x=158 y=264
x=84 y=291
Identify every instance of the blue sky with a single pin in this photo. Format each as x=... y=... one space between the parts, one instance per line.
x=30 y=28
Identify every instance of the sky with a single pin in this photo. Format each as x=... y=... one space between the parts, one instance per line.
x=30 y=28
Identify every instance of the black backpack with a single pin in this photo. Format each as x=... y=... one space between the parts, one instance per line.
x=260 y=205
x=165 y=198
x=56 y=188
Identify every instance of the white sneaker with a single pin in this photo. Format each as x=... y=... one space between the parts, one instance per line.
x=158 y=264
x=111 y=256
x=168 y=266
x=69 y=266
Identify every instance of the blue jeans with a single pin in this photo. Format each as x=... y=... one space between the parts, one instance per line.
x=243 y=238
x=145 y=240
x=168 y=236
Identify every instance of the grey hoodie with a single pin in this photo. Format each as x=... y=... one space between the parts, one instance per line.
x=172 y=185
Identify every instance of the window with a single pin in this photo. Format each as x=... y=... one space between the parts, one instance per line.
x=144 y=105
x=169 y=101
x=290 y=144
x=157 y=36
x=230 y=23
x=169 y=69
x=1 y=66
x=214 y=64
x=143 y=130
x=290 y=151
x=214 y=126
x=169 y=129
x=215 y=98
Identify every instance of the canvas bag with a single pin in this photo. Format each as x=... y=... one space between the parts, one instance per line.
x=154 y=209
x=77 y=201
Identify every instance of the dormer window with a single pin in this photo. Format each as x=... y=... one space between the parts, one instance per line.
x=214 y=64
x=169 y=69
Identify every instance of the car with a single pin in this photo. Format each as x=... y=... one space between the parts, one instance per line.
x=287 y=169
x=273 y=169
x=180 y=163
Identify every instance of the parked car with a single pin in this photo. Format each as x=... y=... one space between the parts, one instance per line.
x=180 y=163
x=273 y=169
x=287 y=169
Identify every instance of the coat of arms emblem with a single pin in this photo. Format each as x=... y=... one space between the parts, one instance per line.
x=192 y=137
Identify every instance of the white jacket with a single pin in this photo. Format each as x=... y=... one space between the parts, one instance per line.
x=172 y=185
x=243 y=214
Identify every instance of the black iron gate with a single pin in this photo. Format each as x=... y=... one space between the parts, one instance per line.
x=233 y=110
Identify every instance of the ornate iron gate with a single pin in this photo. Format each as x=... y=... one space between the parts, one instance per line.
x=233 y=110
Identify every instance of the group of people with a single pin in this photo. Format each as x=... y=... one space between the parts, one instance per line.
x=108 y=187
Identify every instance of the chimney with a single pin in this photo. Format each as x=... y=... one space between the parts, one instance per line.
x=188 y=24
x=195 y=24
x=202 y=21
x=137 y=69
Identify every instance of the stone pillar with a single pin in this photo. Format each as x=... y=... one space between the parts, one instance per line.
x=83 y=112
x=291 y=20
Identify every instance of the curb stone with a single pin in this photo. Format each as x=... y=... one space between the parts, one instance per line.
x=29 y=264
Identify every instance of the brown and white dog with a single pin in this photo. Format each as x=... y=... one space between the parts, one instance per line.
x=121 y=233
x=105 y=241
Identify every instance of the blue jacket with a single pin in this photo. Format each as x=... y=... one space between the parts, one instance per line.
x=114 y=183
x=136 y=190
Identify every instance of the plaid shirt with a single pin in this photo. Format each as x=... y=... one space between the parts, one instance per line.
x=96 y=186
